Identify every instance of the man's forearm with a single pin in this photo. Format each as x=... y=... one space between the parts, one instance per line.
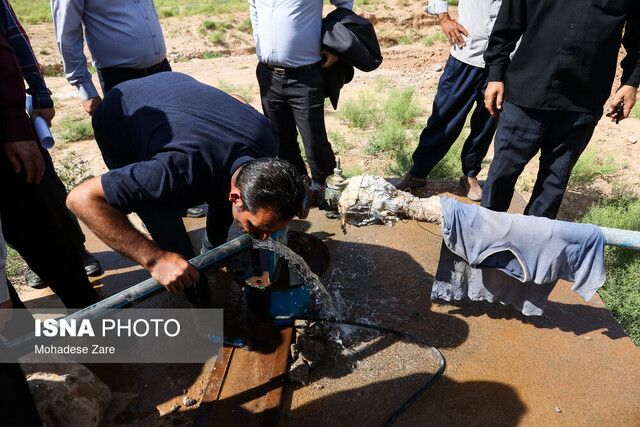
x=111 y=225
x=67 y=19
x=88 y=203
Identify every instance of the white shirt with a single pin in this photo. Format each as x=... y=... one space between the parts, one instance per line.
x=288 y=32
x=477 y=17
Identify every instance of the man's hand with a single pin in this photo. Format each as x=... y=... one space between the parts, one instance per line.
x=46 y=113
x=173 y=272
x=5 y=313
x=493 y=96
x=26 y=155
x=627 y=95
x=91 y=104
x=328 y=59
x=452 y=30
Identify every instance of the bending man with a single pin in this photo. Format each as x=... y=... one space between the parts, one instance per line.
x=172 y=142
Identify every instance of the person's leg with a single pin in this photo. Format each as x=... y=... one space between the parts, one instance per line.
x=36 y=226
x=518 y=137
x=305 y=93
x=457 y=91
x=17 y=407
x=276 y=108
x=483 y=127
x=568 y=136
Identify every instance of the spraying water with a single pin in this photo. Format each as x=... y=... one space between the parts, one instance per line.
x=301 y=267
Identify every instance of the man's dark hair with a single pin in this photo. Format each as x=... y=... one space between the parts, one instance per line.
x=271 y=183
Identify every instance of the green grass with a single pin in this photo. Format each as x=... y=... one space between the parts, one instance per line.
x=635 y=111
x=386 y=139
x=215 y=38
x=209 y=54
x=429 y=40
x=593 y=164
x=401 y=106
x=244 y=91
x=245 y=26
x=72 y=170
x=621 y=293
x=350 y=171
x=72 y=129
x=15 y=264
x=450 y=165
x=339 y=142
x=404 y=40
x=360 y=113
x=207 y=26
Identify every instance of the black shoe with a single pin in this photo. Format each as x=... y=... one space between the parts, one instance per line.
x=33 y=280
x=194 y=212
x=91 y=265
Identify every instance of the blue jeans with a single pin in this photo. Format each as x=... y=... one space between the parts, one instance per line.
x=561 y=136
x=460 y=87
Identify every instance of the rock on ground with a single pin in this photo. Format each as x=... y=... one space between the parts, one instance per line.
x=67 y=394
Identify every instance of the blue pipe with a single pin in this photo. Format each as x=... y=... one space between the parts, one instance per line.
x=141 y=291
x=622 y=238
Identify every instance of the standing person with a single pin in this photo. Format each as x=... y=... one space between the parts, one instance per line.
x=550 y=95
x=125 y=41
x=16 y=406
x=288 y=46
x=43 y=107
x=22 y=167
x=461 y=85
x=171 y=141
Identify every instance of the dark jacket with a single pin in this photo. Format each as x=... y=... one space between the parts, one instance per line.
x=354 y=40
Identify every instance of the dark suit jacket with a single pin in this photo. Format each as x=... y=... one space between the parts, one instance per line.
x=354 y=40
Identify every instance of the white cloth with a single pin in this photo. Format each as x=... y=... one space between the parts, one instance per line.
x=515 y=259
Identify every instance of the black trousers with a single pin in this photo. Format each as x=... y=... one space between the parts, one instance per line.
x=17 y=407
x=560 y=136
x=36 y=222
x=112 y=76
x=297 y=99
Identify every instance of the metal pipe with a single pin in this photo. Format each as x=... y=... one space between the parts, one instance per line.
x=622 y=238
x=139 y=292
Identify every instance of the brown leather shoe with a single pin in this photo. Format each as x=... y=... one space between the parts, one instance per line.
x=471 y=188
x=409 y=182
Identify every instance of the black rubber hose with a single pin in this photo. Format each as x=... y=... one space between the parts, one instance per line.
x=405 y=335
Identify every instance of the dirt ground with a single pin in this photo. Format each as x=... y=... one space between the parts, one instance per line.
x=405 y=65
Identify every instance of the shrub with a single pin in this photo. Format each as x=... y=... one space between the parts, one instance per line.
x=620 y=292
x=360 y=113
x=401 y=106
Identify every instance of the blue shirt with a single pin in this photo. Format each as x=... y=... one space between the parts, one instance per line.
x=172 y=141
x=120 y=33
x=288 y=32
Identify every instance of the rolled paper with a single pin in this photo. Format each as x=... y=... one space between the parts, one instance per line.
x=43 y=132
x=41 y=127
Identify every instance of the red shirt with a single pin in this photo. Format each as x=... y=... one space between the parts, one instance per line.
x=15 y=124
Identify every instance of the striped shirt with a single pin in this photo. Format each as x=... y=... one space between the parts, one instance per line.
x=19 y=41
